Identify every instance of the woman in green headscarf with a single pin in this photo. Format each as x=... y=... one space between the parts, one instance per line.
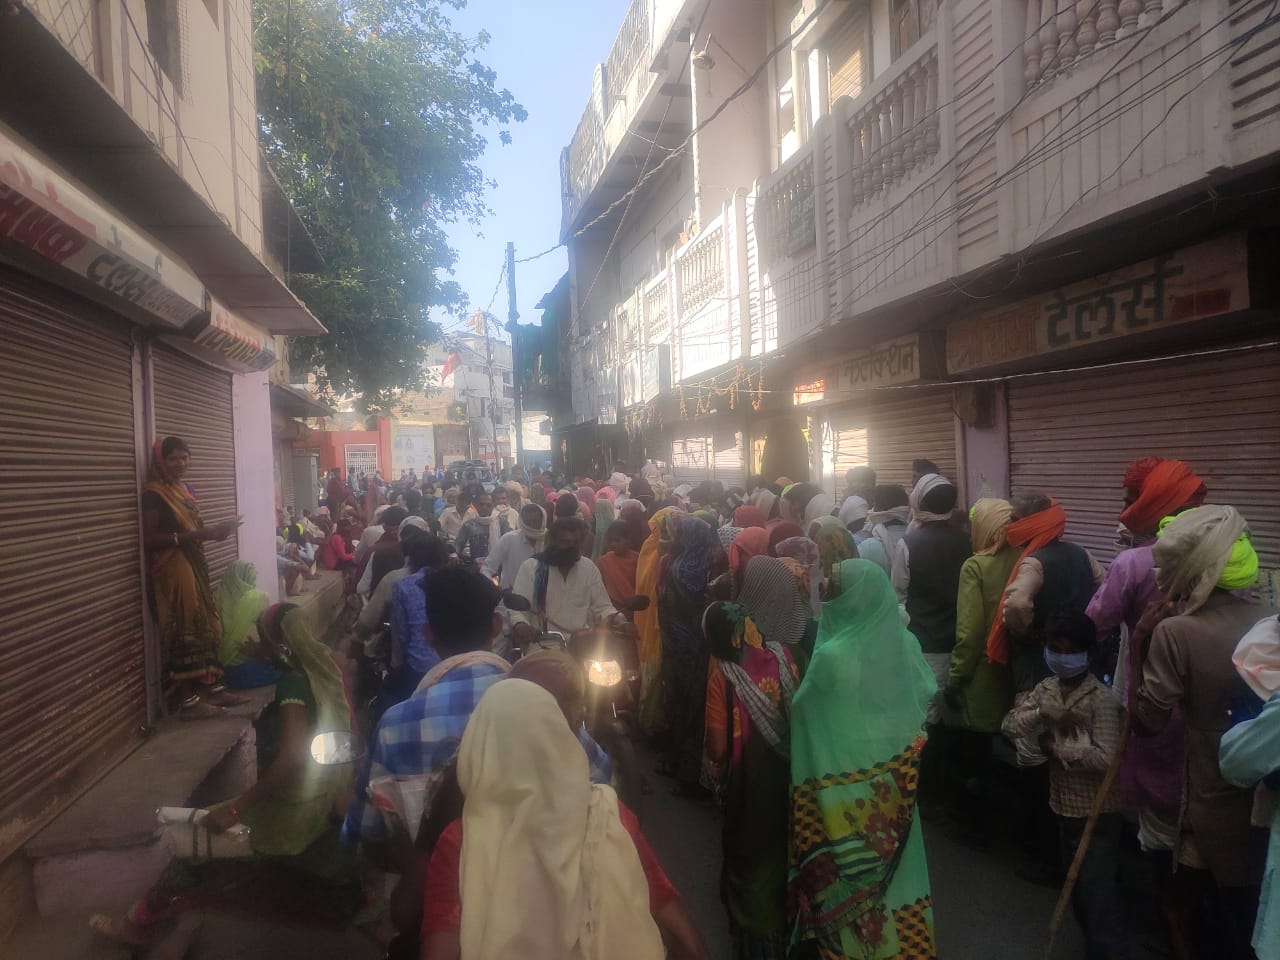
x=859 y=883
x=240 y=603
x=604 y=514
x=292 y=811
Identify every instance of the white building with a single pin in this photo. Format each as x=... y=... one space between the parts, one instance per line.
x=918 y=233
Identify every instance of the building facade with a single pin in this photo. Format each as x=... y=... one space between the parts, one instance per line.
x=135 y=303
x=1021 y=238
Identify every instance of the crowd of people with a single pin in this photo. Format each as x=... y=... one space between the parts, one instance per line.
x=827 y=672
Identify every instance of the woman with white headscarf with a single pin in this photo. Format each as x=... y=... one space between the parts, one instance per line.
x=543 y=863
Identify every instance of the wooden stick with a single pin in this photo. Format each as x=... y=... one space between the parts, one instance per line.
x=1073 y=874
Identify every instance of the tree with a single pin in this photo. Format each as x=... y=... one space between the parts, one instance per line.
x=371 y=114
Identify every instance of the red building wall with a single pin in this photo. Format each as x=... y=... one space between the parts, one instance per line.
x=332 y=444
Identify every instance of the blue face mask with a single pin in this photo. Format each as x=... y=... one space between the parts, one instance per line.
x=1067 y=665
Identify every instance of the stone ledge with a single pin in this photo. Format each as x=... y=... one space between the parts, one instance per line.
x=166 y=770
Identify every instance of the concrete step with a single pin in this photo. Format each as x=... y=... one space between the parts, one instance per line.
x=106 y=849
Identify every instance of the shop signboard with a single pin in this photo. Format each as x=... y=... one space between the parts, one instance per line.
x=45 y=213
x=1206 y=280
x=238 y=344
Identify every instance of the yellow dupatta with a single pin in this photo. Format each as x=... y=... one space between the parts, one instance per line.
x=182 y=597
x=649 y=645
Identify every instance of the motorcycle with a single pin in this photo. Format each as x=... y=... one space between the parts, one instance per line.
x=611 y=663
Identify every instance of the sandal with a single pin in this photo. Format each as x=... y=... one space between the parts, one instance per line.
x=224 y=698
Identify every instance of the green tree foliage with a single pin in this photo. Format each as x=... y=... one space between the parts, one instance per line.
x=372 y=112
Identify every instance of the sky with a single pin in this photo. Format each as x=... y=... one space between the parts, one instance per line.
x=544 y=53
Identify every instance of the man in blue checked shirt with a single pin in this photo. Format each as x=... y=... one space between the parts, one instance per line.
x=421 y=735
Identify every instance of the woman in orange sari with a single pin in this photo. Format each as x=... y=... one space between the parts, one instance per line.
x=182 y=598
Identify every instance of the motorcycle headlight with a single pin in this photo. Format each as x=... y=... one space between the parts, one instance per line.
x=604 y=673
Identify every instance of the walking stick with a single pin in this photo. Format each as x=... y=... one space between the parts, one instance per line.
x=1073 y=874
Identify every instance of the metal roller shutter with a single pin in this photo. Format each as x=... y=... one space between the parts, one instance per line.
x=695 y=459
x=730 y=466
x=1073 y=434
x=71 y=595
x=193 y=401
x=844 y=446
x=919 y=424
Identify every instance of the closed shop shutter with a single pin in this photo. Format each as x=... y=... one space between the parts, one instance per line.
x=914 y=425
x=730 y=466
x=284 y=464
x=71 y=595
x=844 y=446
x=1072 y=435
x=193 y=401
x=848 y=58
x=691 y=459
x=695 y=459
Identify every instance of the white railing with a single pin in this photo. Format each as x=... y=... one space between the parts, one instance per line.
x=701 y=266
x=656 y=301
x=895 y=131
x=785 y=219
x=629 y=48
x=1062 y=33
x=598 y=133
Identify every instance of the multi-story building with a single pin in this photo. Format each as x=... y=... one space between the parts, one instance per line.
x=135 y=302
x=470 y=387
x=1024 y=239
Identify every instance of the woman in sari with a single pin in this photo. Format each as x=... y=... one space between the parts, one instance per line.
x=750 y=685
x=834 y=541
x=682 y=599
x=859 y=882
x=773 y=596
x=604 y=517
x=751 y=542
x=240 y=603
x=782 y=530
x=649 y=642
x=292 y=810
x=749 y=516
x=805 y=560
x=181 y=595
x=618 y=564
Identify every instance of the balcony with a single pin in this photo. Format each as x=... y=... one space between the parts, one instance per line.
x=694 y=312
x=1004 y=130
x=627 y=113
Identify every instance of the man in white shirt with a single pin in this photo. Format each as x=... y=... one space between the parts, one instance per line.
x=574 y=597
x=451 y=518
x=514 y=548
x=371 y=534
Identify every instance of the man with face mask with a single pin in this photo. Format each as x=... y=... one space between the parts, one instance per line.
x=565 y=591
x=514 y=548
x=482 y=530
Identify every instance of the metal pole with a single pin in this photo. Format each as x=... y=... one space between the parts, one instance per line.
x=493 y=421
x=513 y=315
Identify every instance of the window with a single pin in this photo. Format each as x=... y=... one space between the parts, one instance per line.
x=164 y=37
x=910 y=20
x=784 y=83
x=847 y=47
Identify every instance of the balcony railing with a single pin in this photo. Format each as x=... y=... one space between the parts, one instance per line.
x=619 y=84
x=895 y=131
x=629 y=48
x=657 y=309
x=785 y=214
x=702 y=270
x=1062 y=33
